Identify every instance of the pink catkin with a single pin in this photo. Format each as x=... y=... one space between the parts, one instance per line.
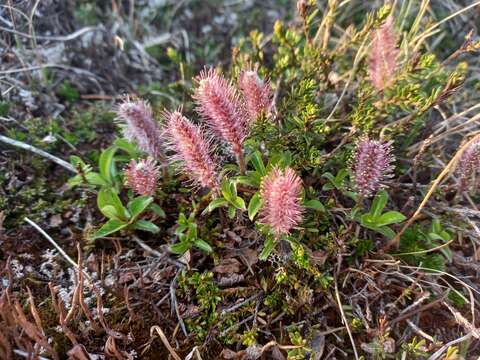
x=192 y=150
x=382 y=60
x=256 y=92
x=219 y=103
x=372 y=164
x=140 y=126
x=468 y=165
x=281 y=192
x=142 y=177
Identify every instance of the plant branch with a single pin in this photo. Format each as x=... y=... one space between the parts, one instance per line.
x=37 y=151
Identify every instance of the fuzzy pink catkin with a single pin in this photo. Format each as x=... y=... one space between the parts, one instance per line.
x=219 y=103
x=468 y=165
x=140 y=126
x=192 y=150
x=382 y=60
x=256 y=92
x=281 y=194
x=372 y=164
x=142 y=177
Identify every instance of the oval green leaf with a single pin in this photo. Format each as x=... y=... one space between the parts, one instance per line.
x=254 y=205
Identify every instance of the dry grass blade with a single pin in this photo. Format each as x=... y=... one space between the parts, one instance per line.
x=112 y=350
x=445 y=347
x=69 y=37
x=431 y=30
x=40 y=152
x=447 y=170
x=358 y=57
x=60 y=250
x=164 y=339
x=462 y=321
x=342 y=313
x=425 y=251
x=32 y=330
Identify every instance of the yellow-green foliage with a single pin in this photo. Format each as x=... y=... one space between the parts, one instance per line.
x=323 y=90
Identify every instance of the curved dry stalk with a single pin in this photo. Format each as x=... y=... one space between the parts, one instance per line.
x=344 y=320
x=433 y=272
x=460 y=319
x=173 y=299
x=419 y=39
x=425 y=251
x=356 y=62
x=59 y=249
x=37 y=151
x=449 y=168
x=451 y=131
x=164 y=339
x=69 y=37
x=445 y=347
x=340 y=307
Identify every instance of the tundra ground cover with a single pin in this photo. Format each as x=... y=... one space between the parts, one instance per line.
x=312 y=197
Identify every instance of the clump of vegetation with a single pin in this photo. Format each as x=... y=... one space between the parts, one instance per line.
x=284 y=204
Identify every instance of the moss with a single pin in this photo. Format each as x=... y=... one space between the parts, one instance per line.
x=68 y=92
x=202 y=291
x=29 y=187
x=4 y=108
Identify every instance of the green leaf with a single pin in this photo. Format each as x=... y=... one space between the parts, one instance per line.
x=109 y=197
x=257 y=162
x=443 y=236
x=146 y=226
x=254 y=205
x=268 y=247
x=379 y=203
x=328 y=186
x=229 y=190
x=385 y=231
x=110 y=212
x=250 y=180
x=106 y=163
x=87 y=175
x=355 y=214
x=180 y=229
x=239 y=203
x=314 y=204
x=182 y=219
x=281 y=159
x=76 y=160
x=335 y=181
x=109 y=227
x=74 y=181
x=95 y=178
x=231 y=212
x=138 y=205
x=128 y=147
x=390 y=217
x=436 y=226
x=368 y=220
x=203 y=245
x=435 y=236
x=156 y=209
x=352 y=195
x=180 y=248
x=217 y=203
x=447 y=253
x=192 y=231
x=330 y=177
x=340 y=177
